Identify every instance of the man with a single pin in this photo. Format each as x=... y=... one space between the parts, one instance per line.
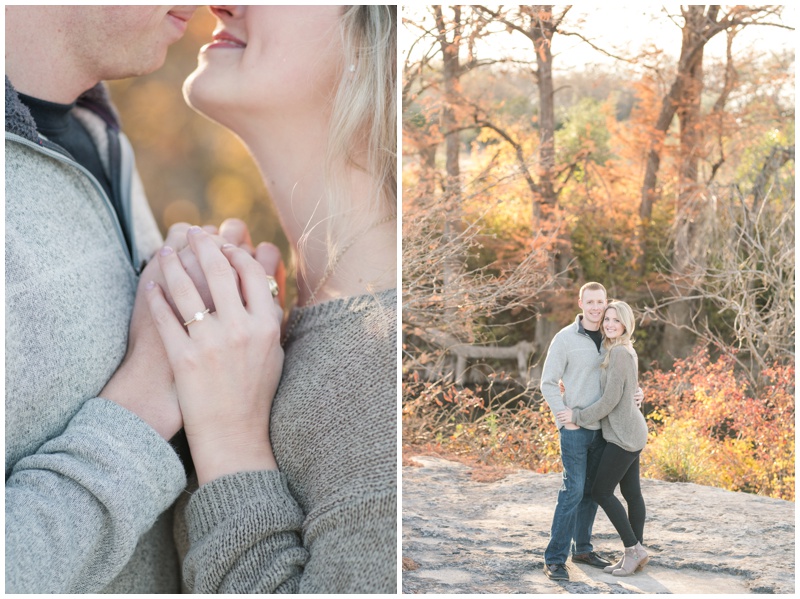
x=574 y=359
x=90 y=472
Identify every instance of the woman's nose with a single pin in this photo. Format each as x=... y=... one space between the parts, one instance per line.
x=227 y=11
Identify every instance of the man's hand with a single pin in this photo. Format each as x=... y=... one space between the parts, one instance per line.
x=143 y=383
x=564 y=417
x=232 y=230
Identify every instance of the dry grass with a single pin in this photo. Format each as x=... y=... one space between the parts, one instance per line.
x=479 y=472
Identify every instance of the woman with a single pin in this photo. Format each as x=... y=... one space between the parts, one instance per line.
x=296 y=469
x=625 y=430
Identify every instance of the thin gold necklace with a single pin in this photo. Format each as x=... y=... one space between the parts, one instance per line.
x=329 y=271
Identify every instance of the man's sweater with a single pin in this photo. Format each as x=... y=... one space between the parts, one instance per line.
x=327 y=521
x=86 y=480
x=622 y=422
x=574 y=359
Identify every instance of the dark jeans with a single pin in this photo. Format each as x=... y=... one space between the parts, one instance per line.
x=575 y=509
x=618 y=466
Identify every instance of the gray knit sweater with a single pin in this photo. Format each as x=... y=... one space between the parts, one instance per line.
x=574 y=359
x=622 y=422
x=327 y=521
x=87 y=482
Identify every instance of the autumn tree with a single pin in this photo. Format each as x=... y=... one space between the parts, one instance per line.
x=448 y=285
x=740 y=296
x=699 y=24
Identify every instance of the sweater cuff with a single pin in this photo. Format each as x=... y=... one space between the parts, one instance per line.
x=258 y=500
x=113 y=451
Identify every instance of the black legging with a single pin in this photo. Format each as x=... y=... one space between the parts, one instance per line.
x=618 y=466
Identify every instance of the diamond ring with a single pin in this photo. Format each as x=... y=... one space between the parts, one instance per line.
x=197 y=317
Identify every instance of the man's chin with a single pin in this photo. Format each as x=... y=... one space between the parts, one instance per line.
x=144 y=67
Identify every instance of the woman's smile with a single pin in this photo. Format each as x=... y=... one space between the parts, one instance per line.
x=611 y=325
x=222 y=39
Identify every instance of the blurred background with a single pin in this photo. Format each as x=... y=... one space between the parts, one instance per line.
x=193 y=169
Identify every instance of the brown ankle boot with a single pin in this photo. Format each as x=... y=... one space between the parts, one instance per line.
x=632 y=561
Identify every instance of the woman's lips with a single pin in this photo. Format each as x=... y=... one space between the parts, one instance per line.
x=225 y=40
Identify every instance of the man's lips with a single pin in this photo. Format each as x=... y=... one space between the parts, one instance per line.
x=180 y=16
x=183 y=13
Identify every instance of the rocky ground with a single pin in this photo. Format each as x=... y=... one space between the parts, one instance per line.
x=462 y=536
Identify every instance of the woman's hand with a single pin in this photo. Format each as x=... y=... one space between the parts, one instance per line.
x=638 y=397
x=143 y=383
x=565 y=417
x=226 y=364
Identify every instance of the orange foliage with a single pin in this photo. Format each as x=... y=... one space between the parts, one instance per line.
x=707 y=426
x=743 y=438
x=460 y=423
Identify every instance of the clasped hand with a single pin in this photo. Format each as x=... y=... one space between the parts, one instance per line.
x=227 y=376
x=228 y=363
x=143 y=383
x=564 y=417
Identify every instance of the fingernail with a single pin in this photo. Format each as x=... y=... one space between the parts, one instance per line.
x=166 y=251
x=150 y=285
x=228 y=246
x=195 y=230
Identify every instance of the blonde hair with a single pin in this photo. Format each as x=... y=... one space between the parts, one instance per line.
x=363 y=126
x=626 y=317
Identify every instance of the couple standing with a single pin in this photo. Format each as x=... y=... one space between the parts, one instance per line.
x=602 y=432
x=113 y=345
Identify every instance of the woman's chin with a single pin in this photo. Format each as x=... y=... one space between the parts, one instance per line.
x=200 y=93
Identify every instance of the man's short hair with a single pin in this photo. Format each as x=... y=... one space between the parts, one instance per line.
x=592 y=287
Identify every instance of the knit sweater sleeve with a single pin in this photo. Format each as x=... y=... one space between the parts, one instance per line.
x=327 y=521
x=246 y=536
x=76 y=508
x=621 y=366
x=554 y=365
x=244 y=527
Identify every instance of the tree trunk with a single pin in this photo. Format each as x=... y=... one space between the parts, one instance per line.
x=546 y=329
x=452 y=183
x=542 y=36
x=699 y=26
x=541 y=32
x=678 y=340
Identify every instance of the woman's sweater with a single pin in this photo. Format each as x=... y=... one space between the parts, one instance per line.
x=621 y=421
x=326 y=522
